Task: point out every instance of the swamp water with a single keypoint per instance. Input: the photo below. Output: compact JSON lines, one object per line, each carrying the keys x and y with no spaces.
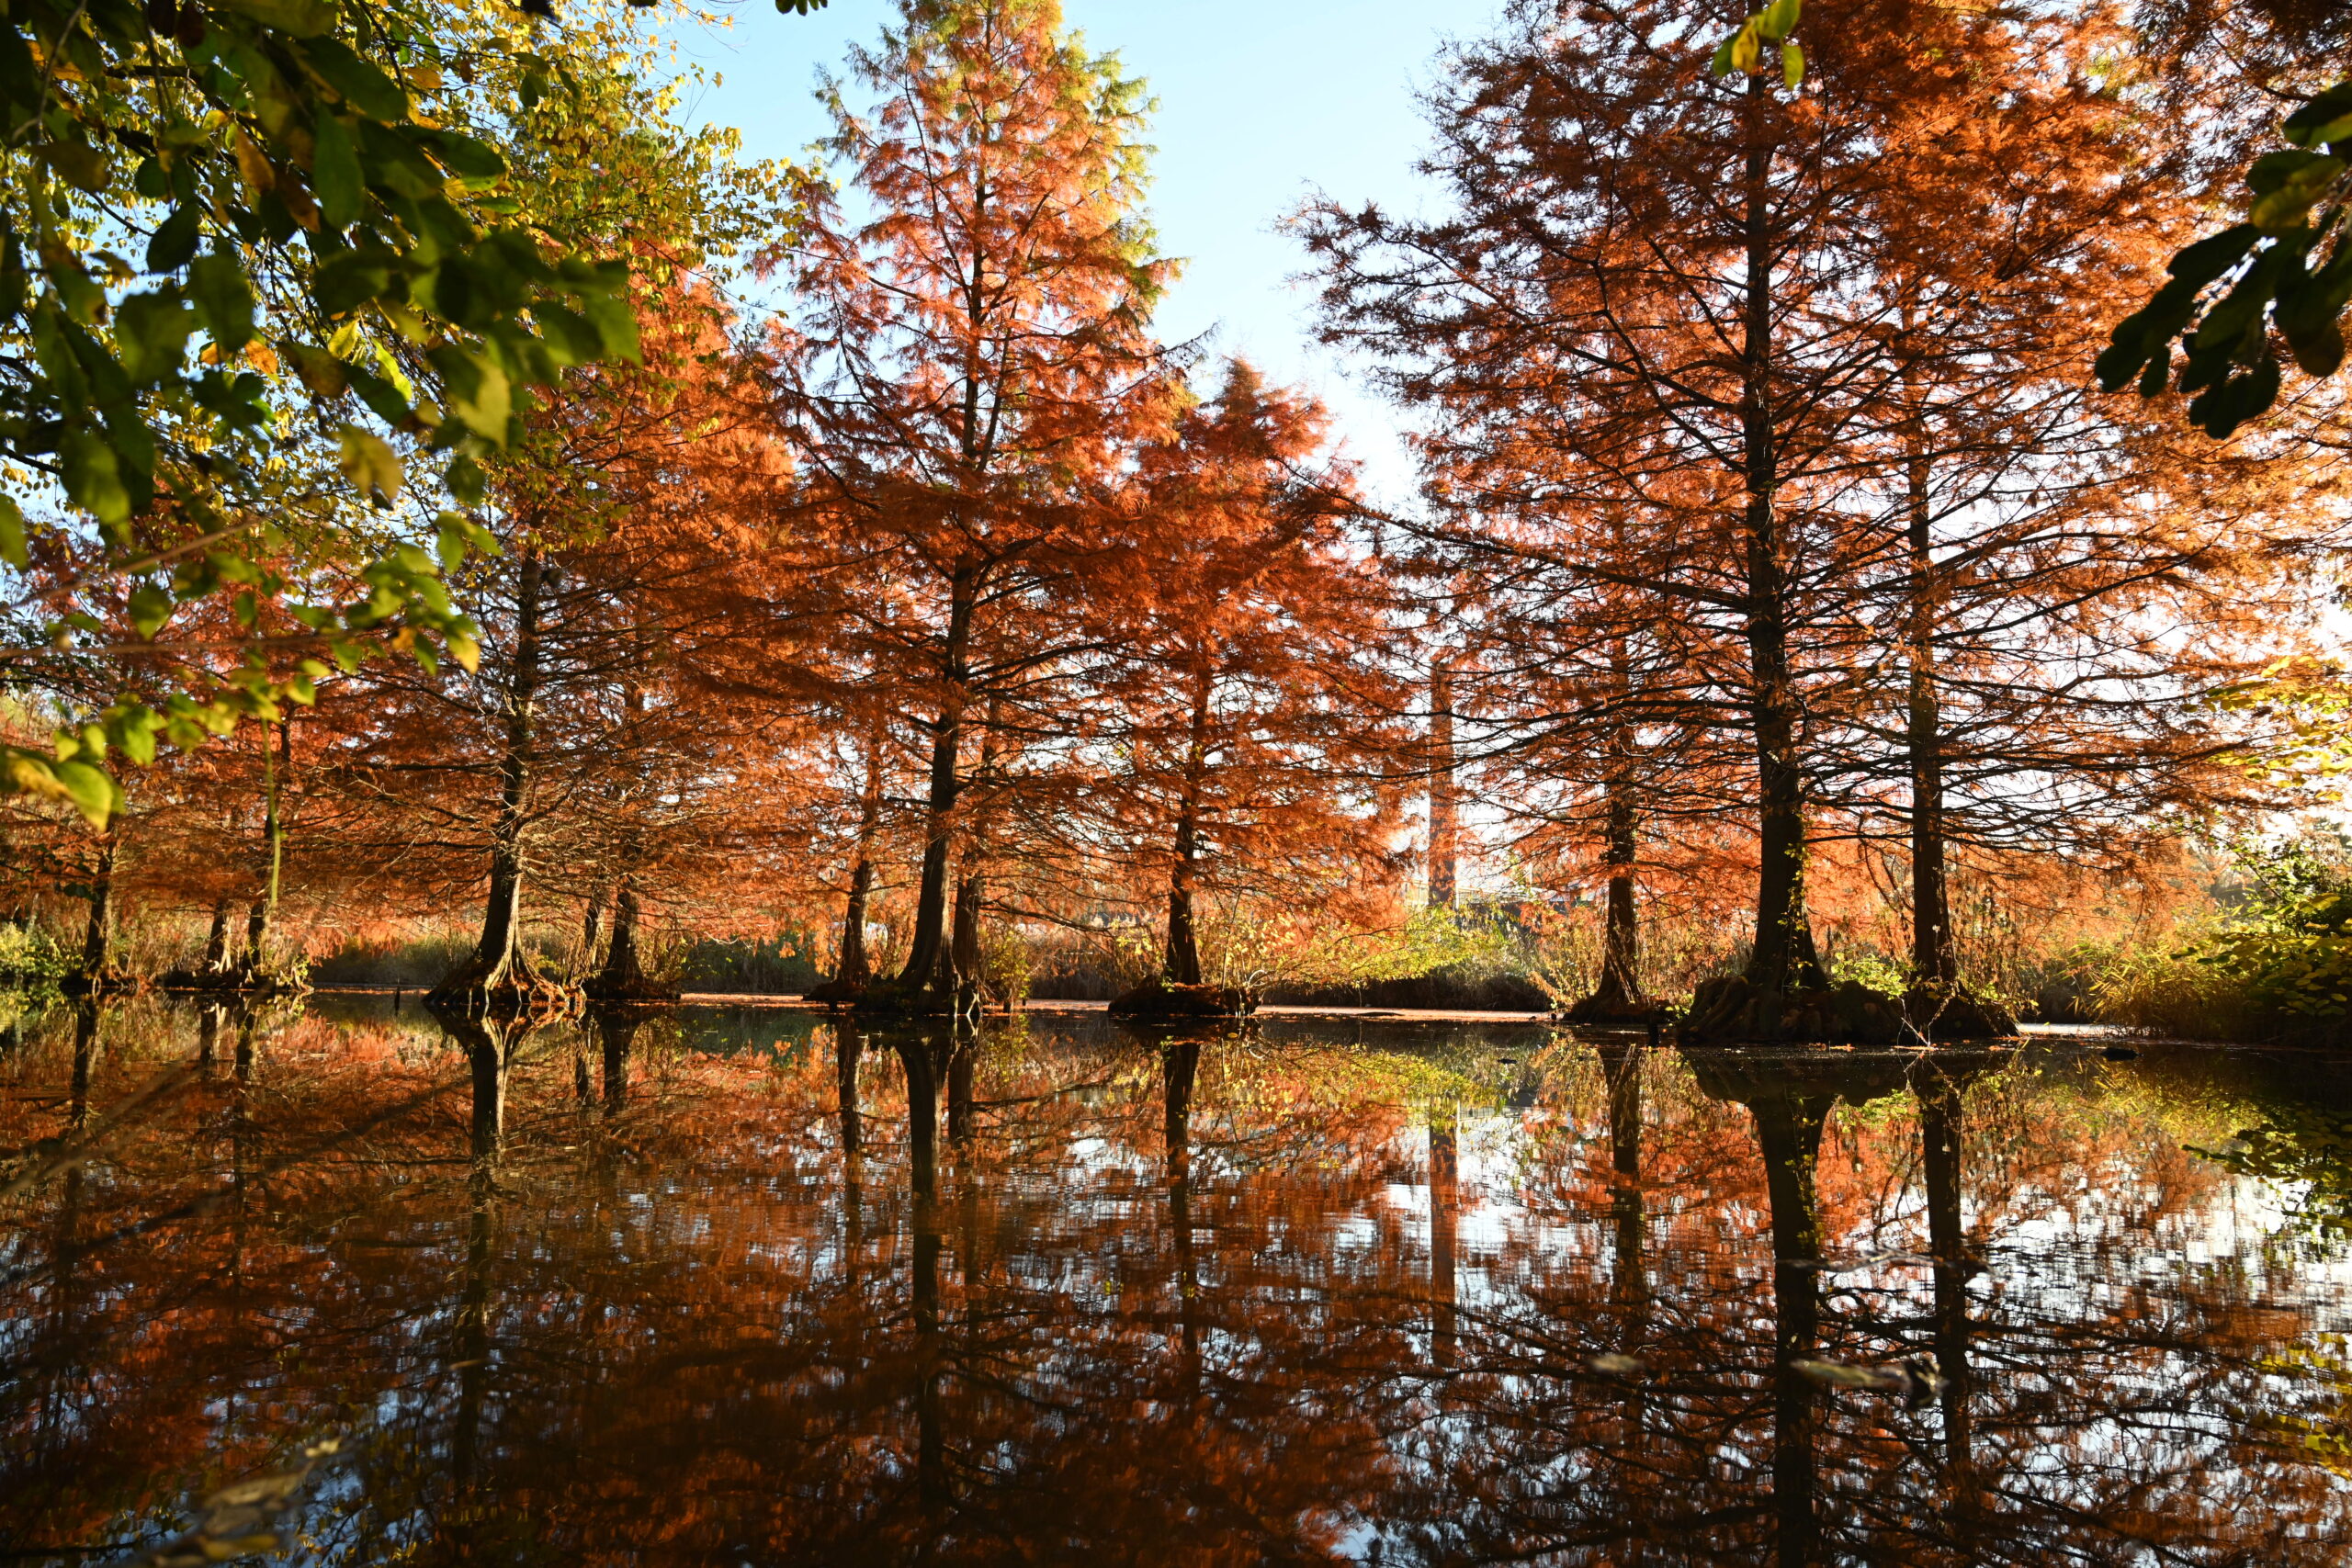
{"x":344,"y":1289}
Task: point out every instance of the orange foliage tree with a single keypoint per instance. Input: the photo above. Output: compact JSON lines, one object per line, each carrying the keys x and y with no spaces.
{"x":970,"y":363}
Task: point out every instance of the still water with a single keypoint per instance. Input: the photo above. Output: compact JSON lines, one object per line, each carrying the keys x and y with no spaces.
{"x":334,"y":1286}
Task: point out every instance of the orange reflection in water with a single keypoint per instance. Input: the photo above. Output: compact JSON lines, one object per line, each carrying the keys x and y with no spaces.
{"x":733,"y":1289}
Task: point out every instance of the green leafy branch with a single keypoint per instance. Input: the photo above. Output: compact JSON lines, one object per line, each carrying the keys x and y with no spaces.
{"x":2227,"y":291}
{"x":1746,"y":50}
{"x":313,"y":235}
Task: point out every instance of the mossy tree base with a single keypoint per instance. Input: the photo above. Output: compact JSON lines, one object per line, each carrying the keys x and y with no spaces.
{"x":1601,"y":1011}
{"x":1954,"y":1012}
{"x":234,"y":982}
{"x":638,"y":991}
{"x":104,"y":983}
{"x":509,"y":988}
{"x":890,"y":999}
{"x":1730,"y":1010}
{"x":1165,"y":999}
{"x":837,"y":993}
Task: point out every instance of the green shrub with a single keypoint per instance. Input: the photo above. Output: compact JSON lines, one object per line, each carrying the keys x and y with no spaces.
{"x":27,"y":954}
{"x":2279,"y":967}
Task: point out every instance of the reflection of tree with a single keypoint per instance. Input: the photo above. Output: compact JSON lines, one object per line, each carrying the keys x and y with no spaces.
{"x":1180,"y":1066}
{"x":616,"y":1033}
{"x":1941,"y":1124}
{"x":1165,"y":1302}
{"x":1446,"y":1203}
{"x":1790,"y":1095}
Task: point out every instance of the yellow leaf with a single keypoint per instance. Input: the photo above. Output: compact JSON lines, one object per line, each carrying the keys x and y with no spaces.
{"x":253,"y":163}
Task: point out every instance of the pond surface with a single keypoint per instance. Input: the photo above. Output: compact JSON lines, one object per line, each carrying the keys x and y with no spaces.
{"x":702,"y":1291}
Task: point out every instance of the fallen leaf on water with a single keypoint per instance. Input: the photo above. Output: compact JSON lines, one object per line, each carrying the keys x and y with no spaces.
{"x":1914,"y":1377}
{"x":1610,"y":1364}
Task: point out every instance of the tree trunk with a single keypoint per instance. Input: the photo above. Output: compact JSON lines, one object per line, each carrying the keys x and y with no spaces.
{"x":971,"y":889}
{"x":1784,"y":958}
{"x":1620,"y":989}
{"x":1183,"y":960}
{"x":216,"y":939}
{"x":1444,"y":821}
{"x":591,"y":923}
{"x":1934,"y":961}
{"x":856,"y":968}
{"x":97,"y":936}
{"x":964,"y":952}
{"x":927,"y":949}
{"x":499,"y":963}
{"x":262,"y":914}
{"x":624,"y":971}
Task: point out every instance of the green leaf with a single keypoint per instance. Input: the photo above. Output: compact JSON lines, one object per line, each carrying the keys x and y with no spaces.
{"x":2201,"y":263}
{"x":93,"y":477}
{"x":223,"y":301}
{"x":321,"y":372}
{"x":134,"y":731}
{"x":2319,"y":121}
{"x":1723,"y":59}
{"x":78,"y":164}
{"x":335,"y":172}
{"x":482,"y":540}
{"x":151,"y":334}
{"x":2338,"y":129}
{"x":298,"y":19}
{"x":175,"y":238}
{"x":1779,"y":19}
{"x":359,"y":82}
{"x":616,"y":324}
{"x":2275,"y":169}
{"x":462,"y":155}
{"x":12,"y":533}
{"x":1793,"y":63}
{"x":370,"y":464}
{"x":383,"y":398}
{"x":95,"y":795}
{"x":479,"y":393}
{"x":150,"y":606}
{"x":466,"y":481}
{"x":570,"y":337}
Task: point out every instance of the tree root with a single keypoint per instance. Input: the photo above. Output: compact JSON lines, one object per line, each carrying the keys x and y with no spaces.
{"x":1162,"y":999}
{"x":508,"y":987}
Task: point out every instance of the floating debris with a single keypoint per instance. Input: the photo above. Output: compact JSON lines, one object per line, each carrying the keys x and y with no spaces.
{"x":1612,"y":1364}
{"x":1914,"y":1377}
{"x":240,"y":1519}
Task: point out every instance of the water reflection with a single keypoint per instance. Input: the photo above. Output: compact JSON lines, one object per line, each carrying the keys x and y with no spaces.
{"x":726,"y":1289}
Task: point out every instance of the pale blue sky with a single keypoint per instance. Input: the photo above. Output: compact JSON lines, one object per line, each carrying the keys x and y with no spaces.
{"x":1261,"y":102}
